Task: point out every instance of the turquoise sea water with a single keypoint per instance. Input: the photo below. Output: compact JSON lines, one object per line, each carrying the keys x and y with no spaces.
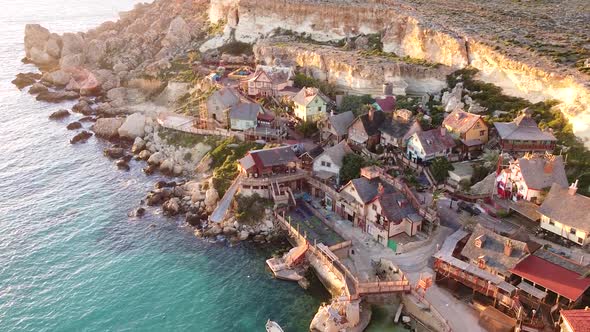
{"x":71,"y":259}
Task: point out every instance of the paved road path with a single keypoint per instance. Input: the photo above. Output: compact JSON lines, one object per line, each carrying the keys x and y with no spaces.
{"x":223,"y":206}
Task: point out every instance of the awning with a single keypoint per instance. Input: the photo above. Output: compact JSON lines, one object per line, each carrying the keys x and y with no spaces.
{"x":532,"y":290}
{"x":324,"y":175}
{"x":472,"y":142}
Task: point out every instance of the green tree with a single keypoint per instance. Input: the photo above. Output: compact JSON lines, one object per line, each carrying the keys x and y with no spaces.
{"x":355,"y":103}
{"x":308,"y":128}
{"x":440,"y":168}
{"x":351,"y":167}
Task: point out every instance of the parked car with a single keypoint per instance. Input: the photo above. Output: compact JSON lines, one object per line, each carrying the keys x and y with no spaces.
{"x":469,"y":208}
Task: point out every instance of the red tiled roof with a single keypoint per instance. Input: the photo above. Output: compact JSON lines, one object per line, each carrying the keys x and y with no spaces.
{"x":386,"y":103}
{"x":551,"y":276}
{"x":578,"y":319}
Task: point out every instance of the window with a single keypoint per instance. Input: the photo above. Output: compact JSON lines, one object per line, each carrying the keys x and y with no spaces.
{"x":580,"y":240}
{"x":374,"y":208}
{"x":551,"y":222}
{"x":572,"y":231}
{"x":323,"y":163}
{"x":328,"y":164}
{"x":482,"y":132}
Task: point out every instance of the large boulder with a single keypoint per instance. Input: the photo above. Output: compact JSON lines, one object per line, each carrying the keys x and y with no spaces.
{"x":156,"y":159}
{"x":134,"y":126}
{"x":37,"y":88}
{"x":177,"y":36}
{"x":145,"y":155}
{"x":72,"y":60}
{"x":96,"y":51}
{"x":167,"y":166}
{"x":107,"y":127}
{"x":57,"y":96}
{"x":107,"y":80}
{"x":41,"y":47}
{"x":72,"y":43}
{"x":211,"y":198}
{"x":138,"y":145}
{"x":59,"y":78}
{"x":83,"y":107}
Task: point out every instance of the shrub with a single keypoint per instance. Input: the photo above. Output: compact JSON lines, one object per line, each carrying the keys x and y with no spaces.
{"x":355,"y":103}
{"x":351,"y":167}
{"x":237,"y":48}
{"x":440,"y":168}
{"x":250,"y":209}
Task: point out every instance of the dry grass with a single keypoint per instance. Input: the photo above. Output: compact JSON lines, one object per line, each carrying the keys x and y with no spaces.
{"x":148,"y":86}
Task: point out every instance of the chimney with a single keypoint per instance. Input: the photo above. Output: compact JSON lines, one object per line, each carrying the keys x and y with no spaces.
{"x":380,"y":189}
{"x":371,"y":113}
{"x":443,"y":131}
{"x":573,"y":189}
{"x":508,"y":248}
{"x":548,"y":166}
{"x":479,"y":241}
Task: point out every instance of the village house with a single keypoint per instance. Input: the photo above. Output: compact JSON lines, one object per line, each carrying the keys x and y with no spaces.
{"x":334,"y":128}
{"x":565,"y":212}
{"x":309,"y":155}
{"x":545,"y":277}
{"x":523,"y":135}
{"x":385,"y":104}
{"x":493,"y":252}
{"x":244,"y":116}
{"x":426,"y":145}
{"x":364,"y":131}
{"x":530,"y":177}
{"x":575,"y":320}
{"x":271,"y":173}
{"x":391,"y":214}
{"x":327,"y":165}
{"x":358,"y":193}
{"x":310,"y":104}
{"x":396,"y":130}
{"x":469,"y":128}
{"x":267,"y":81}
{"x":219,"y":104}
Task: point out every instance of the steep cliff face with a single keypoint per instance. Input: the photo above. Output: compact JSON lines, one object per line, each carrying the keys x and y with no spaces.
{"x":446,"y":32}
{"x":352,"y":71}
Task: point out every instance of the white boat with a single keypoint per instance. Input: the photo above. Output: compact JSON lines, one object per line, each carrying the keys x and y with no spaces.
{"x":273,"y":326}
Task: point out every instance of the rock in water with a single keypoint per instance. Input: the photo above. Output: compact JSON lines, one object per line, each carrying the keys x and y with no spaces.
{"x":134,"y":126}
{"x":144,"y":155}
{"x":59,"y":78}
{"x":107,"y":127}
{"x":138,"y":145}
{"x":123,"y":164}
{"x":38,"y":88}
{"x":149,"y":169}
{"x":58,"y":115}
{"x":83,"y":107}
{"x":81,"y":137}
{"x":172,"y":207}
{"x":192,"y":219}
{"x":25,"y":79}
{"x":114,"y":152}
{"x":74,"y":125}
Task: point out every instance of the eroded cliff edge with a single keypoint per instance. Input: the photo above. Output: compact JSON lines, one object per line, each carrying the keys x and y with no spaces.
{"x":514,"y":44}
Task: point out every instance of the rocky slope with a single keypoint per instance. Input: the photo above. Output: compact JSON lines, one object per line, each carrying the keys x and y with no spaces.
{"x":530,"y":48}
{"x":143,"y":41}
{"x":353,"y":70}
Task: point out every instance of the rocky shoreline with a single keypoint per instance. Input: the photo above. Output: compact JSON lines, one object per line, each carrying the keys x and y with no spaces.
{"x":136,"y":136}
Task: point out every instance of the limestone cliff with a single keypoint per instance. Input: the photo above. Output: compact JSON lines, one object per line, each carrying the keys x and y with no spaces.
{"x":351,"y":70}
{"x":506,"y":40}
